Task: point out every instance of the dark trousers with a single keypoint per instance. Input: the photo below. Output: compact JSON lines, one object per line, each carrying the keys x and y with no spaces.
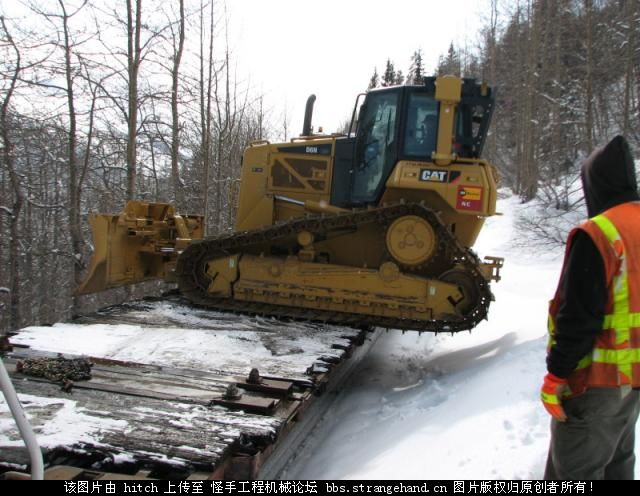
{"x":597,"y":441}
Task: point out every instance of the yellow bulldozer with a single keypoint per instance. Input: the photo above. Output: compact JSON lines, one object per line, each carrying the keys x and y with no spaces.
{"x":374,"y":227}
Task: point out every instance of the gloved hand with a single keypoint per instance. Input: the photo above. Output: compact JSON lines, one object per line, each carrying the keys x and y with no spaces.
{"x":551,"y":396}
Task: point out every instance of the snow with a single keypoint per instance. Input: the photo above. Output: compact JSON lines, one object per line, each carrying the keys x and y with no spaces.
{"x":451,"y":407}
{"x":65,"y":422}
{"x":158,"y":337}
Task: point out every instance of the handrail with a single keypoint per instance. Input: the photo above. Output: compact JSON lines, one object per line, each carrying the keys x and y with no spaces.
{"x":29,"y":438}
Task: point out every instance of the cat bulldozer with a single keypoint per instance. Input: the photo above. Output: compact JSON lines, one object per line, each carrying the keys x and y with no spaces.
{"x":369,"y":228}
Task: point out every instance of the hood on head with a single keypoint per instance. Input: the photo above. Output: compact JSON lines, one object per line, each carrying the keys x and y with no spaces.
{"x":609,"y":177}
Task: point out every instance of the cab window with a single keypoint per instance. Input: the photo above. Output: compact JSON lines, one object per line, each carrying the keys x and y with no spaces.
{"x":375,"y":146}
{"x":422,"y":126}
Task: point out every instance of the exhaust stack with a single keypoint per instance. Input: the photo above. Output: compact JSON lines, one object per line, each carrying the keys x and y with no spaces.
{"x":308,"y":114}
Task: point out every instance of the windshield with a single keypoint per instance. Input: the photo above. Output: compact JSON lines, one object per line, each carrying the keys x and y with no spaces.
{"x":376,"y":137}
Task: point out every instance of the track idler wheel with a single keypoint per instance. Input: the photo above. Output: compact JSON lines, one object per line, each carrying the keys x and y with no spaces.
{"x":411,"y":240}
{"x":467,"y":286}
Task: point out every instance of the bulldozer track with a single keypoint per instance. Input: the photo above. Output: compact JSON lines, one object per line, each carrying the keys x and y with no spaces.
{"x":193,"y":281}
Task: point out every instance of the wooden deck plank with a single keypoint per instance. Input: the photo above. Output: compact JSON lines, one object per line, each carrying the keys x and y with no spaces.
{"x":149,"y":430}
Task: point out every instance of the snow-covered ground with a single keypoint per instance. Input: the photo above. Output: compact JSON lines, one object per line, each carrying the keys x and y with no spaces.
{"x":452,"y":407}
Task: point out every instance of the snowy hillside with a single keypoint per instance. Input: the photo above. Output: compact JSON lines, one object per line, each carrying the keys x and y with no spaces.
{"x":451,"y":407}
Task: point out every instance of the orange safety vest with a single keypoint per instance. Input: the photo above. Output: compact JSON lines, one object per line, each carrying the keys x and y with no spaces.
{"x":615,"y":358}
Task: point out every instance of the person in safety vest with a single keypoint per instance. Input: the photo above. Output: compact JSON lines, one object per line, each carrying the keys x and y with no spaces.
{"x":592,"y":388}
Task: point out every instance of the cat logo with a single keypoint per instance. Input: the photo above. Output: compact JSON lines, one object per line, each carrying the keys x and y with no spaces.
{"x":436,"y":176}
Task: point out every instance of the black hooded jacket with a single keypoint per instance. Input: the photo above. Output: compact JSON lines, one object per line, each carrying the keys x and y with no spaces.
{"x":608,"y":179}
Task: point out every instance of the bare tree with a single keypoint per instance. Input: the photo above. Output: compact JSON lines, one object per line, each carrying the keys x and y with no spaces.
{"x":74,"y":185}
{"x":16,"y":183}
{"x":491,"y":41}
{"x":134,"y":58}
{"x":230,"y":112}
{"x":67,"y":45}
{"x":589,"y":71}
{"x":631,"y":17}
{"x":175,"y":116}
{"x":205,"y":87}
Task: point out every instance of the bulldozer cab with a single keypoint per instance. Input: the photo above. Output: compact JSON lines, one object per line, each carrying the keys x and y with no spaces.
{"x":415,"y":123}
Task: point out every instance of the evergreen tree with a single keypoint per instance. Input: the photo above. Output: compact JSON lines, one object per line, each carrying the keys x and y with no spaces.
{"x":451,"y":63}
{"x":374,"y":82}
{"x":416,"y":71}
{"x":472,"y":67}
{"x":389,"y":76}
{"x":399,"y":78}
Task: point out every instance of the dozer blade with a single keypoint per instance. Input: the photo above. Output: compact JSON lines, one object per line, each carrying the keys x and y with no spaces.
{"x":139,"y":244}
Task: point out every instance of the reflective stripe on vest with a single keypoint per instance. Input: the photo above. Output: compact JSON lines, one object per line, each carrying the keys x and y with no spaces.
{"x":615,"y":321}
{"x":551,"y":399}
